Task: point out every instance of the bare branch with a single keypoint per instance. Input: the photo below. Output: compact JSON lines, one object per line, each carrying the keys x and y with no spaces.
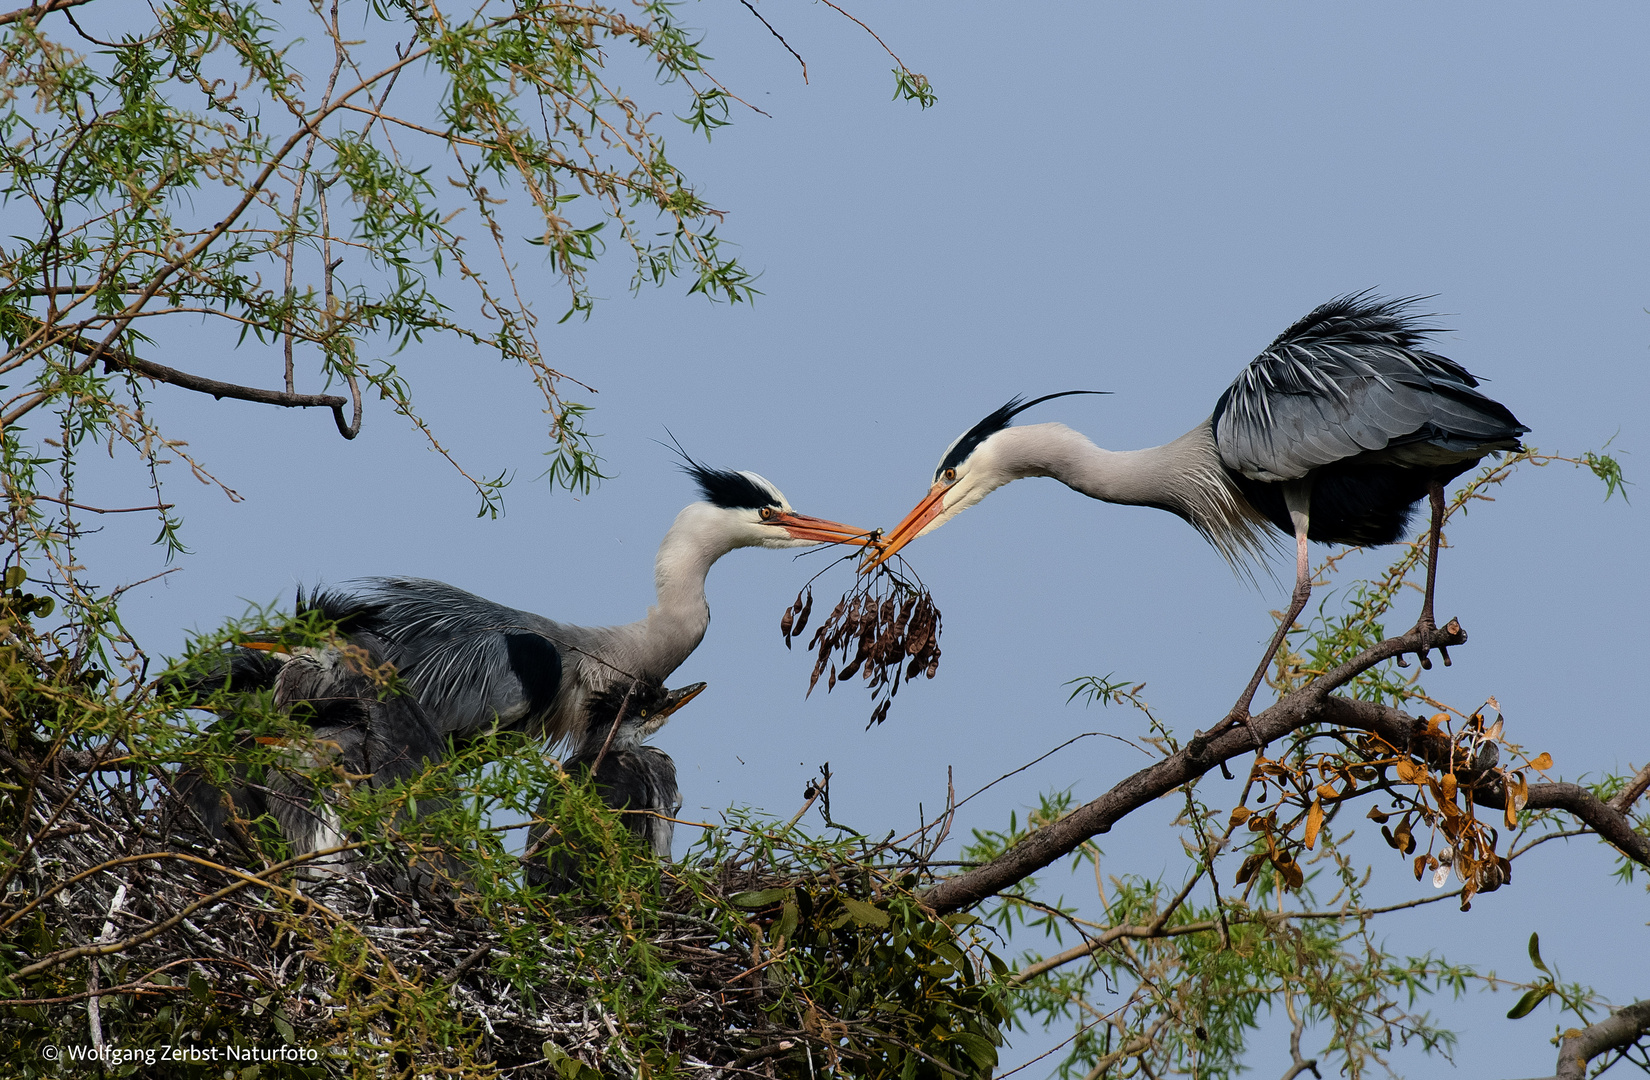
{"x":780,"y":37}
{"x":115,"y":359}
{"x":1629,"y":795}
{"x":96,"y":510}
{"x":35,"y":11}
{"x":1621,"y":1029}
{"x":1298,"y":1064}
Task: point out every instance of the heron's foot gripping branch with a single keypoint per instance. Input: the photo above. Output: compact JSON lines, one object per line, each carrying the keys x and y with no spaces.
{"x":1426,"y":630}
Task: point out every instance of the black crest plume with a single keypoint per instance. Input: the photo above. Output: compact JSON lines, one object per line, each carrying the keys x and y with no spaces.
{"x":724,"y":487}
{"x":993,"y":423}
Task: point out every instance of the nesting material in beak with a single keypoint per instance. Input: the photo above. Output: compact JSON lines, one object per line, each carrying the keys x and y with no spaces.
{"x":819,"y":530}
{"x":907,"y":530}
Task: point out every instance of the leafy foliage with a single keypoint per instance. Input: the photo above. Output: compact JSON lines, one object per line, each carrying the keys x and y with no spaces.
{"x":1269,"y":915}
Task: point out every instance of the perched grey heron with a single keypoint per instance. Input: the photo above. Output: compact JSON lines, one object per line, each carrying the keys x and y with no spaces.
{"x":628,"y":775}
{"x":1332,"y":434}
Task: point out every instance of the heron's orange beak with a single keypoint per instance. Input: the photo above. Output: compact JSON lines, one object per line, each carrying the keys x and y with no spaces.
{"x":820,"y":531}
{"x":906,"y":531}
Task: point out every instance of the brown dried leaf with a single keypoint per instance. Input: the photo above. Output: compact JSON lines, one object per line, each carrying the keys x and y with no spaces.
{"x":1314,"y":822}
{"x":1410,"y":773}
{"x":1543,"y":762}
{"x":802,"y":615}
{"x":1241,"y":814}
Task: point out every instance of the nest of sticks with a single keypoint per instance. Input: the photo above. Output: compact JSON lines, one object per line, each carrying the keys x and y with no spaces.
{"x":123,"y":929}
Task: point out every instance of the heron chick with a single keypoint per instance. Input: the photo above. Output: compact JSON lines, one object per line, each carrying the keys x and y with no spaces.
{"x":636,"y":779}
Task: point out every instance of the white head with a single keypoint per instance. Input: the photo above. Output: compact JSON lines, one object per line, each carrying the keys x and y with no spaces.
{"x":978,"y":462}
{"x":744,"y":509}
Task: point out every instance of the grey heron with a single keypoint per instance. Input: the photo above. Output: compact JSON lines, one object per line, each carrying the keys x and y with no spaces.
{"x":477,"y":666}
{"x":628,"y":775}
{"x":1332,"y":434}
{"x":472,"y":666}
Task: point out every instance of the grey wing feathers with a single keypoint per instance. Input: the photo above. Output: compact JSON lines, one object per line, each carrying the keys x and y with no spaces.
{"x":473,"y":664}
{"x":1353,"y":378}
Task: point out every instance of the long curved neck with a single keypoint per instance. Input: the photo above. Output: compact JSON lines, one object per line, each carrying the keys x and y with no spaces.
{"x":1149,"y":477}
{"x":1184,"y":477}
{"x":676,"y":624}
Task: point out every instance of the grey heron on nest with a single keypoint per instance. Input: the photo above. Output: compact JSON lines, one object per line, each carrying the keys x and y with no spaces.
{"x":1332,"y":434}
{"x":477,"y":666}
{"x":472,"y":666}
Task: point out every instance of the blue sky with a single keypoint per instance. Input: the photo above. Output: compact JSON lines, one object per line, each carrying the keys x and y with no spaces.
{"x":1134,"y":198}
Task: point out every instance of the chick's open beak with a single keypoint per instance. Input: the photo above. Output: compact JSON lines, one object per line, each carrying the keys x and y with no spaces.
{"x":820,"y":531}
{"x":907,"y":530}
{"x":675,"y":699}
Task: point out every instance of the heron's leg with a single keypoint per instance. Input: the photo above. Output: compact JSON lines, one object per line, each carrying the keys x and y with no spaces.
{"x":1297,"y":500}
{"x":1426,"y":623}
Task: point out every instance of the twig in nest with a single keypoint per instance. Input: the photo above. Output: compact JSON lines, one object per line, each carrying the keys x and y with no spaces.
{"x":885,"y":621}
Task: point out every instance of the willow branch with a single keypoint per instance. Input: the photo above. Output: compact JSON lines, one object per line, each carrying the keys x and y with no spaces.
{"x":1621,"y":1029}
{"x":35,"y":11}
{"x":117,"y":359}
{"x":1077,"y":952}
{"x":1312,"y":704}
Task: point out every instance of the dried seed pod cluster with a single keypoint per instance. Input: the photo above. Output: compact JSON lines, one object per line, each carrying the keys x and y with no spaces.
{"x":885,"y":622}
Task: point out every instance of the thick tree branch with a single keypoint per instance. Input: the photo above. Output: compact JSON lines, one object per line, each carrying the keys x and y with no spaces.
{"x":1311,"y":704}
{"x":1601,"y":817}
{"x":1622,"y":1028}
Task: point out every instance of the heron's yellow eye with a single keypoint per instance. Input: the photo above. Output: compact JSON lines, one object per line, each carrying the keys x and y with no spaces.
{"x":951,"y":474}
{"x":768,"y":512}
{"x":644,"y":714}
